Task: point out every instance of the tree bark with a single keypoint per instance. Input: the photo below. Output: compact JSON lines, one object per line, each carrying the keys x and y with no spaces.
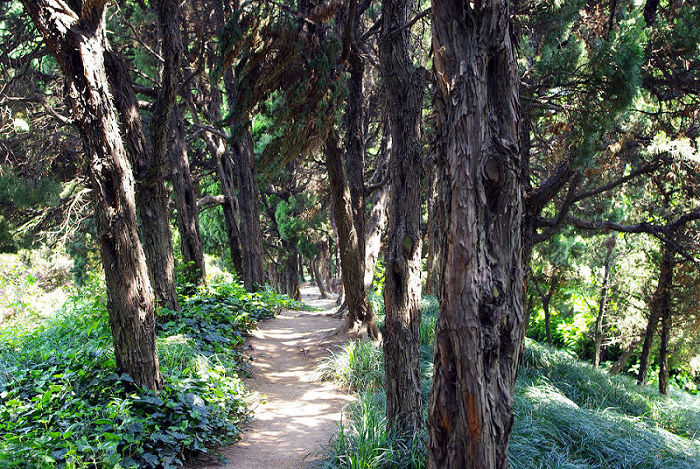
{"x":598,"y":332}
{"x":186,"y":203}
{"x":402,"y":290}
{"x":658,"y":301}
{"x":78,"y":42}
{"x":248,"y":200}
{"x":149,"y":167}
{"x":666,"y":320}
{"x":481,"y":323}
{"x":351,"y":256}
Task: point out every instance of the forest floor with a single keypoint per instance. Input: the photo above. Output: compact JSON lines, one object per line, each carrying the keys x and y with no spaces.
{"x":297,"y":415}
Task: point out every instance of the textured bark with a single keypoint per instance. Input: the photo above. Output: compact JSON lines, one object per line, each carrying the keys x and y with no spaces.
{"x":253,"y":272}
{"x":78,"y":42}
{"x":375,"y":226}
{"x":354,"y":141}
{"x":351,"y":257}
{"x":321,"y":266}
{"x":225,"y":173}
{"x":598,"y":332}
{"x":402,"y":290}
{"x":251,"y":236}
{"x":290,"y":280}
{"x":186,"y":203}
{"x":481,"y":323}
{"x":659,"y":303}
{"x":151,"y":195}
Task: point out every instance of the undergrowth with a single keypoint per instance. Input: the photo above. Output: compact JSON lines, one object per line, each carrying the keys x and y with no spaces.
{"x":567,"y":414}
{"x":63,"y":405}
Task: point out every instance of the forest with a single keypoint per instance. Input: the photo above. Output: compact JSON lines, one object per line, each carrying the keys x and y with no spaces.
{"x":350,"y":234}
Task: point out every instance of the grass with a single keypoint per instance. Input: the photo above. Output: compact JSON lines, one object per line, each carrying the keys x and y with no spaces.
{"x":63,"y":405}
{"x":568,"y":415}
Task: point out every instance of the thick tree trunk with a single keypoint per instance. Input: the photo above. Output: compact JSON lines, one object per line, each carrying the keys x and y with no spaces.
{"x":151,"y":195}
{"x":351,"y":255}
{"x":481,"y":324}
{"x":225,"y":172}
{"x":666,"y":320}
{"x":290,"y":279}
{"x":402,"y":290}
{"x":251,"y":236}
{"x":248,"y":200}
{"x":661,"y":296}
{"x":186,"y":203}
{"x":78,"y":41}
{"x":598,"y":332}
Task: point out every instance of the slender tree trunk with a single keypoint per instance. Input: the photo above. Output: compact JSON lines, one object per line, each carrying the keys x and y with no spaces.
{"x":661,"y":294}
{"x":186,"y":203}
{"x":481,"y":324}
{"x":598,"y":333}
{"x":624,"y":358}
{"x":301,"y":269}
{"x":78,"y":41}
{"x":351,"y":255}
{"x":402,"y":290}
{"x":666,"y":322}
{"x":375,"y":229}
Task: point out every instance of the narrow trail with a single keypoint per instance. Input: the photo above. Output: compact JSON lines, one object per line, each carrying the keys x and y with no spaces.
{"x":299,"y":415}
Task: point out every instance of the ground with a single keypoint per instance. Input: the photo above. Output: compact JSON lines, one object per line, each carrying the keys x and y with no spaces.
{"x":298,"y":415}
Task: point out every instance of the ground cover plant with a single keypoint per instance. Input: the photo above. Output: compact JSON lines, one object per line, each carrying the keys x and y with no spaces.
{"x":567,"y":414}
{"x":63,"y":405}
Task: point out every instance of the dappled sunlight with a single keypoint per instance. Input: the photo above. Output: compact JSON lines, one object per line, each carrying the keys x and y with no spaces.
{"x":297,"y":415}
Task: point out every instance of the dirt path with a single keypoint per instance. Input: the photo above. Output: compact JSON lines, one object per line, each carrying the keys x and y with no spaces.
{"x":299,"y":415}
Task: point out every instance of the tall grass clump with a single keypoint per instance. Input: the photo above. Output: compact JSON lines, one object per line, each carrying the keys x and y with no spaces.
{"x":568,"y":415}
{"x":358,"y":366}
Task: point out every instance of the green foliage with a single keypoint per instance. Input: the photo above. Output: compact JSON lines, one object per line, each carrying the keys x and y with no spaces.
{"x":567,"y":415}
{"x":62,"y":403}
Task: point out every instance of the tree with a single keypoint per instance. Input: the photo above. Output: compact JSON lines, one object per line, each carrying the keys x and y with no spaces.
{"x":480,"y":328}
{"x":598,"y":332}
{"x":77,"y":39}
{"x":402,"y":289}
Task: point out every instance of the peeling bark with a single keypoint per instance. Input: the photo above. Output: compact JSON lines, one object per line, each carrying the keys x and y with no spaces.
{"x":481,"y":323}
{"x":402,"y":290}
{"x":78,"y":42}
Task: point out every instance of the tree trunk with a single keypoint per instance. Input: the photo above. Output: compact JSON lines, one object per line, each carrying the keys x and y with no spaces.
{"x":251,"y":236}
{"x":661,"y":295}
{"x":598,"y":333}
{"x":666,"y":320}
{"x":481,"y":323}
{"x":291,"y":271}
{"x":78,"y":41}
{"x":186,"y":203}
{"x":624,"y":358}
{"x":151,"y":195}
{"x":402,"y":290}
{"x":351,"y":256}
{"x":301,"y":269}
{"x":375,"y":229}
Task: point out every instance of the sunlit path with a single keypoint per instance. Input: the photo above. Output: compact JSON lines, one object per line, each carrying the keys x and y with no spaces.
{"x":299,"y":415}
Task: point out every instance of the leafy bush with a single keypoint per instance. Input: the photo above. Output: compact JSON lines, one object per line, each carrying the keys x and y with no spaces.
{"x":61,"y":402}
